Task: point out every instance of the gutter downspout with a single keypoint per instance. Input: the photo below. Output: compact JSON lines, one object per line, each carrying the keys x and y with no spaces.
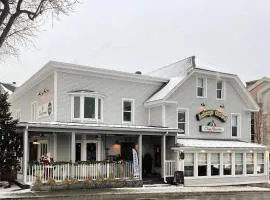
{"x":164,"y":155}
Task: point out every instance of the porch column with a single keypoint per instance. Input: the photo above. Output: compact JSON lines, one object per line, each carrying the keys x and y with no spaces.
{"x":73,"y":147}
{"x":140,"y":155}
{"x":55,"y":146}
{"x":25,"y":153}
{"x":163,"y":156}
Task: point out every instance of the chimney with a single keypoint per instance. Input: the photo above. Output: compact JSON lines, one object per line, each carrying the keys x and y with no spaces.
{"x":138,"y":72}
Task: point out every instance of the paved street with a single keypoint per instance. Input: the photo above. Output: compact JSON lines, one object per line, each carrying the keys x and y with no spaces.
{"x":147,"y":193}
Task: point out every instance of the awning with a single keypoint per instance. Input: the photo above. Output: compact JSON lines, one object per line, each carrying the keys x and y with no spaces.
{"x":215,"y":144}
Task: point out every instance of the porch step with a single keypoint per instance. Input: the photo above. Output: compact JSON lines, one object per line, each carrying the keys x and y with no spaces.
{"x":21,"y":184}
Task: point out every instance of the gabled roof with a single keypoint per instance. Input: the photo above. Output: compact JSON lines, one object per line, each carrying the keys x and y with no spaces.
{"x":53,"y":66}
{"x":180,"y":71}
{"x":253,"y":84}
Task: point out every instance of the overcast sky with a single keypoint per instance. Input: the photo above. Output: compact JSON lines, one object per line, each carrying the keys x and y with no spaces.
{"x":131,"y":35}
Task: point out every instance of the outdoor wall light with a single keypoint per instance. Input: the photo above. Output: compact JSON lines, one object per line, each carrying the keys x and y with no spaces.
{"x":202,"y":151}
{"x":36,"y":141}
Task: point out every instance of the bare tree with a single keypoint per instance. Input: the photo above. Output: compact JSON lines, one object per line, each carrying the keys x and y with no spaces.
{"x":20,"y":20}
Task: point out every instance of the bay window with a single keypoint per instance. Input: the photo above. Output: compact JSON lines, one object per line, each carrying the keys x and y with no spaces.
{"x":86,"y":107}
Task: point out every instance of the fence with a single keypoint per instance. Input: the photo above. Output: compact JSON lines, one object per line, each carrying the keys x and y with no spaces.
{"x":80,"y":171}
{"x":169,"y":168}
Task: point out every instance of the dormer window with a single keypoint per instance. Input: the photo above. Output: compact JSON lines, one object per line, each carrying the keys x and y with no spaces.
{"x":86,"y":106}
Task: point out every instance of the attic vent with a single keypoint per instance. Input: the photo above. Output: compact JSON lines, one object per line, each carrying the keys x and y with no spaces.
{"x":138,"y":72}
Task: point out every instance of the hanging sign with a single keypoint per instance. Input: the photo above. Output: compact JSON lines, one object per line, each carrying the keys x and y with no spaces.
{"x":211,"y":113}
{"x":45,"y":103}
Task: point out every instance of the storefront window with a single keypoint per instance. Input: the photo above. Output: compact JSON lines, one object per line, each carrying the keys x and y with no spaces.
{"x":227,"y":164}
{"x":250,"y":163}
{"x":202,"y":164}
{"x":238,"y":163}
{"x":260,"y":163}
{"x":215,"y":164}
{"x":189,"y":164}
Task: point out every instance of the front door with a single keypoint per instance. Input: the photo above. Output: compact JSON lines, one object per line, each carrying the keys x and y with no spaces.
{"x":91,"y":151}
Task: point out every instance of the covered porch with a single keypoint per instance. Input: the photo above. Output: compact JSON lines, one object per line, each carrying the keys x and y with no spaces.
{"x":94,"y":151}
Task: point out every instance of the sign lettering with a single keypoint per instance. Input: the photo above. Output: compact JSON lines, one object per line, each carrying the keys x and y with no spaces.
{"x":211,"y":113}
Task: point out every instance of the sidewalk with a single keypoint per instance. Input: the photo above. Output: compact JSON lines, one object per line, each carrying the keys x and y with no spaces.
{"x":157,"y":190}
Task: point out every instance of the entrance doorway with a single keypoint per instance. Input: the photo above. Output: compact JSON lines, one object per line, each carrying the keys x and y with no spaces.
{"x":91,"y":151}
{"x":87,"y":150}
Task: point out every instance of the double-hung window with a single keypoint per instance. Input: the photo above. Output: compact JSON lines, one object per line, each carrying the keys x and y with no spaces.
{"x":128,"y":110}
{"x":227,"y":164}
{"x":189,"y":164}
{"x":220,"y":89}
{"x":183,"y":120}
{"x":250,"y":163}
{"x":260,"y":163}
{"x":215,"y":164}
{"x":201,"y":87}
{"x":238,"y":163}
{"x":235,"y":125}
{"x":86,"y":107}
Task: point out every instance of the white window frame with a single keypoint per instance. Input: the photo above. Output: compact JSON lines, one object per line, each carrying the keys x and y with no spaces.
{"x":231,"y":163}
{"x":186,"y":111}
{"x":34,"y":104}
{"x":222,"y":89}
{"x":194,"y":154}
{"x":243,"y":163}
{"x":238,"y":125}
{"x":81,"y":118}
{"x":132,"y":121}
{"x":204,"y":87}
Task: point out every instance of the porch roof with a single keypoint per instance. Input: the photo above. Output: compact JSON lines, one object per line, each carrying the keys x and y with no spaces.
{"x":65,"y":126}
{"x":215,"y":144}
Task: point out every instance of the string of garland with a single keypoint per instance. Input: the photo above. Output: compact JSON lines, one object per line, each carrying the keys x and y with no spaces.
{"x":78,"y":163}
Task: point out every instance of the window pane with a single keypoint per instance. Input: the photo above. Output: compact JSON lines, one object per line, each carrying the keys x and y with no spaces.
{"x":250,"y":163}
{"x":234,"y":120}
{"x":215,"y":163}
{"x":202,"y":164}
{"x":227,"y":164}
{"x":238,"y":163}
{"x":76,"y":107}
{"x":89,"y":107}
{"x":260,"y":163}
{"x":181,"y":117}
{"x":234,"y":131}
{"x":200,"y":82}
{"x":99,"y":108}
{"x":182,"y":127}
{"x":219,"y":94}
{"x":127,"y":106}
{"x":189,"y":164}
{"x":127,"y":116}
{"x":219,"y":85}
{"x":200,"y":92}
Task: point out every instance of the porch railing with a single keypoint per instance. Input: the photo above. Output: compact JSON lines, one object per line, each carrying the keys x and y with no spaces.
{"x":80,"y":171}
{"x":169,"y":168}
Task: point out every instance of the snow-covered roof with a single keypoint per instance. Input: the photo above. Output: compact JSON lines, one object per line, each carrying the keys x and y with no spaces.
{"x":164,"y":91}
{"x":6,"y":87}
{"x":86,"y":126}
{"x":201,"y":143}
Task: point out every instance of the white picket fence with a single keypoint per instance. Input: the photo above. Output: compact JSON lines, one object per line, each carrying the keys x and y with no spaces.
{"x":80,"y":172}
